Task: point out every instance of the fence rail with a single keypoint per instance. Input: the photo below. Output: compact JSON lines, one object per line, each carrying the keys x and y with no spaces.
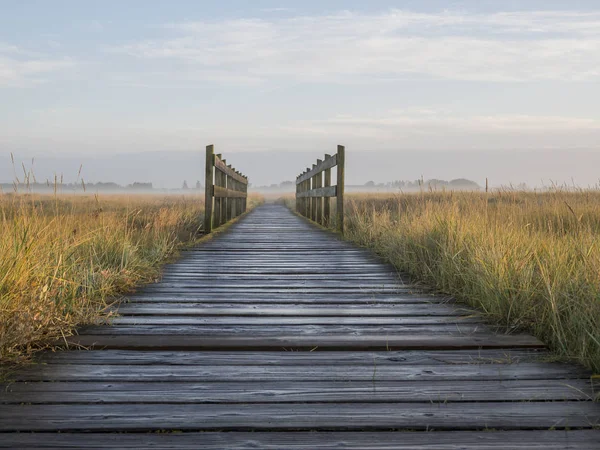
{"x":314,"y":190}
{"x":226,"y":191}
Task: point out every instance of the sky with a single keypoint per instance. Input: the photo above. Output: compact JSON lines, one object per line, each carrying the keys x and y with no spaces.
{"x":102,"y":79}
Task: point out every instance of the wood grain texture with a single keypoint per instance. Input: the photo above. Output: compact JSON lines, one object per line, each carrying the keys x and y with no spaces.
{"x":327,"y":163}
{"x":382,"y":440}
{"x":300,"y":416}
{"x":221,"y":192}
{"x":230,"y":172}
{"x":319,"y":192}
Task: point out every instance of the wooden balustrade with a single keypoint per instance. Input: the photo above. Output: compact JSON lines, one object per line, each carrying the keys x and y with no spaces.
{"x":314,"y":190}
{"x":226,"y":191}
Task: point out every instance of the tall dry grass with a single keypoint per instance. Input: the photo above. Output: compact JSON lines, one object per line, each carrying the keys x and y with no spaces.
{"x":63,"y":259}
{"x":530,"y":261}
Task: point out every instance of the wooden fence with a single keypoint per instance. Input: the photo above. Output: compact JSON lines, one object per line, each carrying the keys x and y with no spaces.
{"x":228,"y":188}
{"x":314,"y":190}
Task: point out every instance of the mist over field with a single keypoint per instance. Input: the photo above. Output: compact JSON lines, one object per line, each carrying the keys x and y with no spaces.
{"x":169,"y":169}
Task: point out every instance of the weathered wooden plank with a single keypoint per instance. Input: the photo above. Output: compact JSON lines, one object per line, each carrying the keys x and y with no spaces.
{"x":211,"y":330}
{"x":379,"y":278}
{"x":309,"y":440}
{"x":258,"y":283}
{"x":274,"y":288}
{"x":327,"y":163}
{"x":330,"y":191}
{"x":336,"y":342}
{"x":278,"y":358}
{"x":221,"y":299}
{"x":341,"y":416}
{"x":230,"y":172}
{"x":415,"y":322}
{"x":173,"y":309}
{"x":296,"y":392}
{"x":335,"y":372}
{"x":339,"y":301}
{"x":221,"y":192}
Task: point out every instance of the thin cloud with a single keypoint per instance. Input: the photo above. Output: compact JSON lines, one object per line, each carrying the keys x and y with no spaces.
{"x":346,"y":47}
{"x":408,"y":125}
{"x":20,"y":67}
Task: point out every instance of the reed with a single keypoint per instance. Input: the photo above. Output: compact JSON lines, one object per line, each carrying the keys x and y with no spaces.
{"x":530,"y":261}
{"x":65,"y":258}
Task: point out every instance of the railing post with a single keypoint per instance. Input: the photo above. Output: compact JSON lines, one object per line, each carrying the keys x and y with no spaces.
{"x":246,"y":192}
{"x":326,"y":200}
{"x":297,"y":190}
{"x":208,"y":188}
{"x":217,"y":201}
{"x":238,"y":202}
{"x":314,"y":199}
{"x":308,"y":214}
{"x":307,"y":199}
{"x":301,"y":199}
{"x":319,"y":200}
{"x":341,"y":156}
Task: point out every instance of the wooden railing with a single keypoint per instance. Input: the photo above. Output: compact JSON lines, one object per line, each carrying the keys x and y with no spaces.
{"x":227,"y":186}
{"x":314,"y":190}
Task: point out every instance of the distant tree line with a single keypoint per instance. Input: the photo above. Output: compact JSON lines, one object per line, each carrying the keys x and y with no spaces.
{"x":82,"y":186}
{"x":458,"y":184}
{"x":435,"y":184}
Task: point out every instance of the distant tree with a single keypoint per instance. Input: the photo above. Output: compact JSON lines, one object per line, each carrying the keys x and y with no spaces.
{"x":462,"y":183}
{"x":185,"y":185}
{"x":198,"y":185}
{"x":370,"y":184}
{"x":140,"y":186}
{"x":435,"y":184}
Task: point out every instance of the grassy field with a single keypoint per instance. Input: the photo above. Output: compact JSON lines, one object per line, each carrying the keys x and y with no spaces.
{"x":529,"y":261}
{"x":63,"y":259}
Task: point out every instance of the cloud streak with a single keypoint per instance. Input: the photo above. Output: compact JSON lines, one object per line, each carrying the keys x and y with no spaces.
{"x":445,"y":129}
{"x":19,"y":68}
{"x":350,"y":47}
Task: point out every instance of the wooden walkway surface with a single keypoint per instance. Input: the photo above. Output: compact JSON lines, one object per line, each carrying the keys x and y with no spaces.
{"x":275,"y":334}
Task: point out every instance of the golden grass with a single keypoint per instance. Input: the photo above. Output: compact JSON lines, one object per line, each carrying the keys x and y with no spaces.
{"x":529,"y":261}
{"x":64,"y":259}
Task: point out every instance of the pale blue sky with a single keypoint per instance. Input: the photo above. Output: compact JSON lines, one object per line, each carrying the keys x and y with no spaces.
{"x":83,"y":77}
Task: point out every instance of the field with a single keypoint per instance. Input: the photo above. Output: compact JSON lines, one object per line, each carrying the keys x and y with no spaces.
{"x":65,"y":258}
{"x":529,"y":261}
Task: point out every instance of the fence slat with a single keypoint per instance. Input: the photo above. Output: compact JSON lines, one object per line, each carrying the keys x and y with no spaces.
{"x":221,"y":192}
{"x":229,"y":171}
{"x":330,"y":191}
{"x":326,"y":164}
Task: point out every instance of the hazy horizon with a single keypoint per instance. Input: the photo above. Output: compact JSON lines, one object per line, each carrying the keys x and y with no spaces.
{"x":169,"y":169}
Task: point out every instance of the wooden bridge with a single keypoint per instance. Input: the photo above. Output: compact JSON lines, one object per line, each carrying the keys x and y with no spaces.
{"x":277,"y":334}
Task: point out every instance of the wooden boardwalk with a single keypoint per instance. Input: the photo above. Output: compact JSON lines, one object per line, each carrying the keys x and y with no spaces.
{"x":275,"y":334}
